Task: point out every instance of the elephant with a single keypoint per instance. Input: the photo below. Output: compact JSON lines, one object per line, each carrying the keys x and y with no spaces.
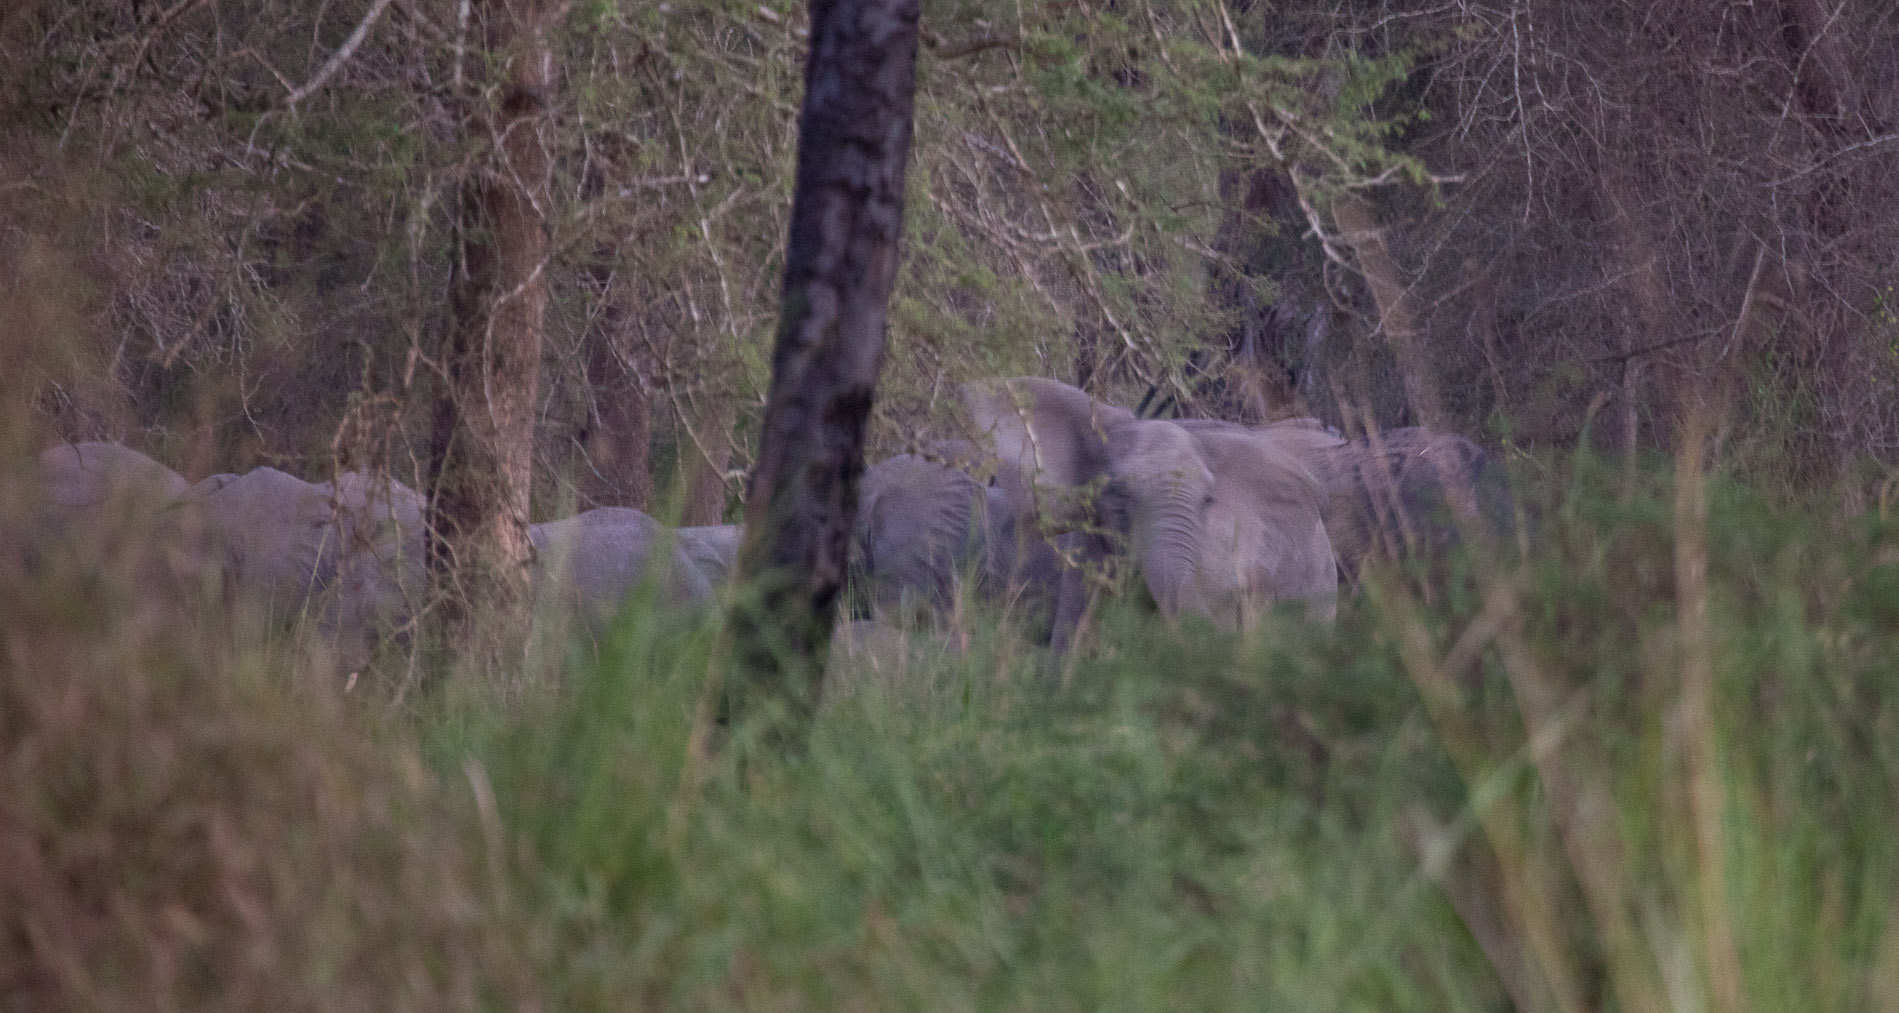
{"x":588,"y":564}
{"x":923,"y":524}
{"x":1398,"y":494}
{"x":1219,"y":523}
{"x":713,"y":548}
{"x":273,"y":541}
{"x":105,"y":510}
{"x":343,"y":559}
{"x":90,"y":475}
{"x":381,"y":543}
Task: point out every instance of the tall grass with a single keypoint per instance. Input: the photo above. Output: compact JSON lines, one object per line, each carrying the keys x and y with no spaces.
{"x":1652,"y":765}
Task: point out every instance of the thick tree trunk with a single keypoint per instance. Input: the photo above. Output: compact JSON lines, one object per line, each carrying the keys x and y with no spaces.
{"x":481,"y":448}
{"x":846,"y":218}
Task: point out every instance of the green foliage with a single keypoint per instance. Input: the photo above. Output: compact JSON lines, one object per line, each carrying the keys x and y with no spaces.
{"x":1169,"y":818}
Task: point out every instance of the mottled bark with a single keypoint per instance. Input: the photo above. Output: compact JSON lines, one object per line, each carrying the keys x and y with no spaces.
{"x":846,"y":218}
{"x":481,"y":447}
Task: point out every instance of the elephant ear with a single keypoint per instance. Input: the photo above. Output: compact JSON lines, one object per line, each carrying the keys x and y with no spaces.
{"x":1162,"y":485}
{"x":1048,"y":436}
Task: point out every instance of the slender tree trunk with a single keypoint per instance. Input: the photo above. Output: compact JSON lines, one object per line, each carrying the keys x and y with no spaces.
{"x":1265,"y":352}
{"x":846,"y":218}
{"x":706,"y":454}
{"x":619,"y":433}
{"x":481,"y":448}
{"x":1397,"y":317}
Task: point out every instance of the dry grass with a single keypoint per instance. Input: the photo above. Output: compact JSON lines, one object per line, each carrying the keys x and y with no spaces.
{"x":1648,"y":768}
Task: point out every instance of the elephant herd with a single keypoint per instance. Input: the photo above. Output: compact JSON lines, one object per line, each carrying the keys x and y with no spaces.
{"x":342,"y":559}
{"x":1218,"y":520}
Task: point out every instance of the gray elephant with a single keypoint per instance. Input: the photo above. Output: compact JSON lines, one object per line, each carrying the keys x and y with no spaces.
{"x":272,"y":541}
{"x":105,"y":509}
{"x":587,"y":564}
{"x":1220,"y":523}
{"x":923,"y":524}
{"x":341,"y":560}
{"x":1403,"y":493}
{"x":86,"y":487}
{"x":713,"y":548}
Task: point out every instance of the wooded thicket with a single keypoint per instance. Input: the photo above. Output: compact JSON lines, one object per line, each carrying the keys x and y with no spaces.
{"x":232,"y":224}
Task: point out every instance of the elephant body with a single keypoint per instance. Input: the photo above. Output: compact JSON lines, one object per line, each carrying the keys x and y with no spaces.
{"x":1220,"y":523}
{"x":101,"y":508}
{"x":381,"y":538}
{"x":923,"y":525}
{"x":589,"y":563}
{"x":342,"y":560}
{"x":273,"y":541}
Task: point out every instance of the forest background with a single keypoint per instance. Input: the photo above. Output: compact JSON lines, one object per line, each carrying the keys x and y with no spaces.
{"x":1648,"y":765}
{"x":231,"y":225}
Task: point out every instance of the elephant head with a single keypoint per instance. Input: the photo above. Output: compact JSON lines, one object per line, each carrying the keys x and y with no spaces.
{"x":1219,"y":524}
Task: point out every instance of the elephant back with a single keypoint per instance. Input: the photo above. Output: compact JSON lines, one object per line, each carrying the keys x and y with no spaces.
{"x":1407,"y":492}
{"x":275,"y":537}
{"x":93,"y":474}
{"x":87,"y":486}
{"x":104,"y":509}
{"x":588,"y":564}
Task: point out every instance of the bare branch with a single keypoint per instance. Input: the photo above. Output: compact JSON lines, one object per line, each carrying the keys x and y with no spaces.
{"x":340,"y":57}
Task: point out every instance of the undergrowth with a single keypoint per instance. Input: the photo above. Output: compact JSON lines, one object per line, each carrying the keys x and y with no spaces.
{"x":1482,"y":793}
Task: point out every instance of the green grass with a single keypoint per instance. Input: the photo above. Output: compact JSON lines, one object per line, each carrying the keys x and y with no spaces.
{"x":1176,"y":819}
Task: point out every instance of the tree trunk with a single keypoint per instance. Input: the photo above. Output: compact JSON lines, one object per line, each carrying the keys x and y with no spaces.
{"x":1397,"y":317}
{"x":481,"y":447}
{"x":705,"y":454}
{"x":846,"y":218}
{"x":616,"y":470}
{"x":1265,"y":357}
